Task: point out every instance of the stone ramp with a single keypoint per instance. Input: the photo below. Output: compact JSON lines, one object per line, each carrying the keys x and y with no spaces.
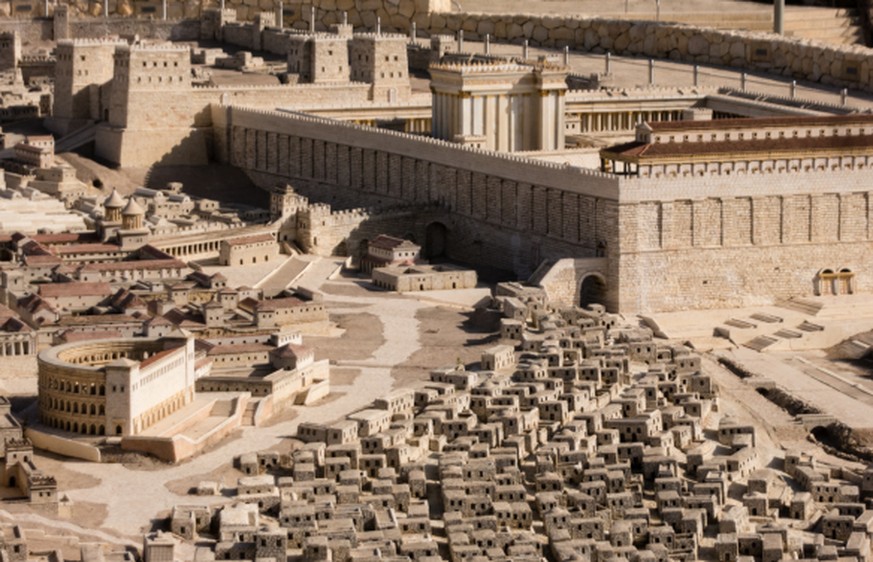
{"x":804,"y":306}
{"x":76,"y":139}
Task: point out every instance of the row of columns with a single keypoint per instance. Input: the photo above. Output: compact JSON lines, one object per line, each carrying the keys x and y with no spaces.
{"x":16,"y":348}
{"x":622,"y":120}
{"x":417,"y":125}
{"x":195,"y":248}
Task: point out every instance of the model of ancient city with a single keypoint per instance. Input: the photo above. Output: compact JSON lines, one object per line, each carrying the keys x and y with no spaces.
{"x":359,"y":280}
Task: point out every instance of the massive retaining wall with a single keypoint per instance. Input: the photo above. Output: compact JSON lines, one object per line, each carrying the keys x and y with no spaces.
{"x":507,"y":211}
{"x":671,"y":242}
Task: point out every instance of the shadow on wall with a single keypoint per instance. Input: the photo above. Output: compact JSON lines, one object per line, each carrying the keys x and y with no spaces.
{"x":226,"y":184}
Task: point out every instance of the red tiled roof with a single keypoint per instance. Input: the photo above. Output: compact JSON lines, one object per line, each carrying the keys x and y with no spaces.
{"x":278,"y":304}
{"x":74,"y":289}
{"x":95,"y":248}
{"x":134,"y":264}
{"x":65,"y":238}
{"x":245,"y":240}
{"x":41,"y":259}
{"x":156,"y":357}
{"x":809,"y":145}
{"x":93,"y":319}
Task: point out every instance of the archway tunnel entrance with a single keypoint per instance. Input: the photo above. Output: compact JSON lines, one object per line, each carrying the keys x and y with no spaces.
{"x":592,"y":290}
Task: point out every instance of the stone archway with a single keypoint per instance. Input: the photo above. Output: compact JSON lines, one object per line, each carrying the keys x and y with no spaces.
{"x":824,"y":282}
{"x":845,"y":281}
{"x":592,"y":290}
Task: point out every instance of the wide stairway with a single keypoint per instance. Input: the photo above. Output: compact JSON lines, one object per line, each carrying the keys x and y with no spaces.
{"x":840,"y":26}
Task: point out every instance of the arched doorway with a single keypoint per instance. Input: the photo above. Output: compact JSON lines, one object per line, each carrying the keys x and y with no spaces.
{"x":824,"y":282}
{"x":592,"y":290}
{"x":845,"y":281}
{"x":435,"y":238}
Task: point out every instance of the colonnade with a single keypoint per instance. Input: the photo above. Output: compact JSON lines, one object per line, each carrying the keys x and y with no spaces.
{"x":192,"y":248}
{"x":618,"y":120}
{"x":12,"y":348}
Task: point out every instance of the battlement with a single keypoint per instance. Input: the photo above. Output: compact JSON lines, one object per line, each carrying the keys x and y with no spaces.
{"x":480,"y":67}
{"x":343,"y":217}
{"x":370,"y":35}
{"x":154,"y":48}
{"x":22,"y":444}
{"x":43,"y":481}
{"x":92,"y":42}
{"x":37,"y":59}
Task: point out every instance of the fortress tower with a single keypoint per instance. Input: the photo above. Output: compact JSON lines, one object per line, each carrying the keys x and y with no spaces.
{"x":151,"y":107}
{"x":501,"y":106}
{"x":82,"y":70}
{"x":319,"y":58}
{"x":380,"y":59}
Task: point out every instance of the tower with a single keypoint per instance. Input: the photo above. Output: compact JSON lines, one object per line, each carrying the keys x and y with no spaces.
{"x":143,"y":76}
{"x":380,"y":60}
{"x":82,"y":68}
{"x":10,"y":50}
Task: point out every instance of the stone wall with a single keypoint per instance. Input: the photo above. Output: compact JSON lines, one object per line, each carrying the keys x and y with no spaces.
{"x":740,"y":240}
{"x":505,"y":211}
{"x":658,"y":243}
{"x":804,"y":60}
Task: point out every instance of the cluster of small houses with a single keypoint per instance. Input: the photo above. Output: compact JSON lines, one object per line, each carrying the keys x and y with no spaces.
{"x":582,"y":440}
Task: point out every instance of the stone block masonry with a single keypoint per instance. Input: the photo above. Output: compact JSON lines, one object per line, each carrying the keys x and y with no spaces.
{"x":383,"y":167}
{"x":657,"y":243}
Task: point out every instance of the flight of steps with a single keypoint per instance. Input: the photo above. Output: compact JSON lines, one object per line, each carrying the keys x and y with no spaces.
{"x":839,"y":26}
{"x":249,"y":415}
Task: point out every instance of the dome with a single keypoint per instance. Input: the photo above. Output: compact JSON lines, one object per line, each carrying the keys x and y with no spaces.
{"x":132,"y":208}
{"x":114,"y":201}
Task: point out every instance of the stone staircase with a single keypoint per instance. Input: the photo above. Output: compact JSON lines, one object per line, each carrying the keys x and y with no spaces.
{"x":760,"y":343}
{"x":77,"y":138}
{"x":839,"y":26}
